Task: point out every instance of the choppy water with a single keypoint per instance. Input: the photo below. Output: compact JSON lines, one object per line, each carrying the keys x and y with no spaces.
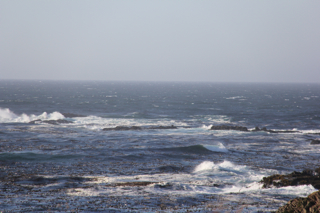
{"x":64,"y":161}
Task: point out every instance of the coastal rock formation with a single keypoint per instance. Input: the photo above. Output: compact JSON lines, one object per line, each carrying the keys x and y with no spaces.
{"x":303,"y":205}
{"x":123,"y":128}
{"x":294,"y":179}
{"x":315,"y":141}
{"x":245,"y":129}
{"x":225,"y":127}
{"x":163,"y":127}
{"x":273,"y":131}
{"x":54,"y":122}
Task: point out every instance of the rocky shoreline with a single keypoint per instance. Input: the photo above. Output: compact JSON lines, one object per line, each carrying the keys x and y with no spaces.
{"x":310,"y":204}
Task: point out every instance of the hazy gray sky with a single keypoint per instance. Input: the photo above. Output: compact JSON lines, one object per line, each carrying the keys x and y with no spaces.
{"x":161,"y":40}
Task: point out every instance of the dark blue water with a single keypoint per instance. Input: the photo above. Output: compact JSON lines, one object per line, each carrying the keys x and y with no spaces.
{"x":59,"y":141}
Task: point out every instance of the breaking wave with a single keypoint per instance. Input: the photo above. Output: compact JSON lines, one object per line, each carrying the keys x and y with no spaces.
{"x":7,"y":116}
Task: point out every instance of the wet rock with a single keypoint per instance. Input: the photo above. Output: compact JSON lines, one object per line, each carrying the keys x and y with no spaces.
{"x":225,"y":127}
{"x":54,"y":122}
{"x":256,"y":129}
{"x":309,"y":204}
{"x":273,"y":131}
{"x":294,"y":179}
{"x":35,"y":121}
{"x":163,"y":127}
{"x":140,"y":183}
{"x":122,"y":128}
{"x":164,"y":186}
{"x":315,"y":141}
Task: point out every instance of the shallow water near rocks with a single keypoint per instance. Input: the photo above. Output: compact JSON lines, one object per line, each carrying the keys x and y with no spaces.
{"x":55,"y":155}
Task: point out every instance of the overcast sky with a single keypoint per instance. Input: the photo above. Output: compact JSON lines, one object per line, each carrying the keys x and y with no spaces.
{"x":161,"y":40}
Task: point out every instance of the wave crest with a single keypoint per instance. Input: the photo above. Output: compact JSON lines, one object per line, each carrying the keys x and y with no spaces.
{"x":7,"y":116}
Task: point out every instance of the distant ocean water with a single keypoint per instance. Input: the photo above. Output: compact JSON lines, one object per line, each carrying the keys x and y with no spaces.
{"x":149,"y":146}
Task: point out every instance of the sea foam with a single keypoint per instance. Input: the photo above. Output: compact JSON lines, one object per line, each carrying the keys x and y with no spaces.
{"x":7,"y":116}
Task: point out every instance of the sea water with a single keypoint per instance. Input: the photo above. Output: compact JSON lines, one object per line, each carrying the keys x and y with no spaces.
{"x":56,"y":154}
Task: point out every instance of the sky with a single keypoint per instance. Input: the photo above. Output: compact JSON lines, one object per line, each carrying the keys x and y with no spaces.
{"x":161,"y":40}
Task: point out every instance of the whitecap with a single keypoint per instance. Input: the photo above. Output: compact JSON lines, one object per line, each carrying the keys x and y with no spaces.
{"x":206,"y":165}
{"x":7,"y":116}
{"x":216,"y":148}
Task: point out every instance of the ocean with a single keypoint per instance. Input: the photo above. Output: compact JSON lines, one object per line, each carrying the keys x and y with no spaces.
{"x":93,"y":146}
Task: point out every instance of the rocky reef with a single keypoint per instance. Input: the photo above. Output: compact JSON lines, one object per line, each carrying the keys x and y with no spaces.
{"x":245,"y":129}
{"x":54,"y":122}
{"x":315,"y":141}
{"x":305,"y":177}
{"x":124,"y":128}
{"x":310,"y":204}
{"x":225,"y":127}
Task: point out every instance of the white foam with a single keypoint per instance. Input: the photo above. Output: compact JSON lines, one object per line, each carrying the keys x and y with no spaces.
{"x":216,"y":148}
{"x":7,"y":116}
{"x":206,"y":165}
{"x":206,"y":127}
{"x":225,"y":165}
{"x":311,"y":131}
{"x":98,"y":123}
{"x":299,"y":191}
{"x":235,"y":97}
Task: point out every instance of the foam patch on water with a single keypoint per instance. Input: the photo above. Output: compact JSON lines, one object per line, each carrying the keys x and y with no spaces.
{"x":224,"y":166}
{"x":312,"y":131}
{"x":235,"y":97}
{"x":7,"y":116}
{"x":299,"y":191}
{"x":98,"y":123}
{"x":206,"y":165}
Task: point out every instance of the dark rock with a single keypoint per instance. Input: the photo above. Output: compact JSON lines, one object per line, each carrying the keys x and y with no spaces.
{"x":303,"y":205}
{"x":54,"y":122}
{"x":164,"y":186}
{"x":315,"y":141}
{"x":274,"y":131}
{"x":59,"y":121}
{"x":122,"y":128}
{"x":141,"y":183}
{"x":317,"y":170}
{"x":34,"y":121}
{"x":295,"y":178}
{"x":256,"y":129}
{"x":225,"y":127}
{"x":163,"y":127}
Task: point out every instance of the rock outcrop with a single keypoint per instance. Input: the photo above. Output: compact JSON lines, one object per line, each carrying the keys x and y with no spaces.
{"x":245,"y":129}
{"x":310,"y":204}
{"x":294,"y":179}
{"x":54,"y":122}
{"x":315,"y":141}
{"x":163,"y":127}
{"x":225,"y":127}
{"x":123,"y":128}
